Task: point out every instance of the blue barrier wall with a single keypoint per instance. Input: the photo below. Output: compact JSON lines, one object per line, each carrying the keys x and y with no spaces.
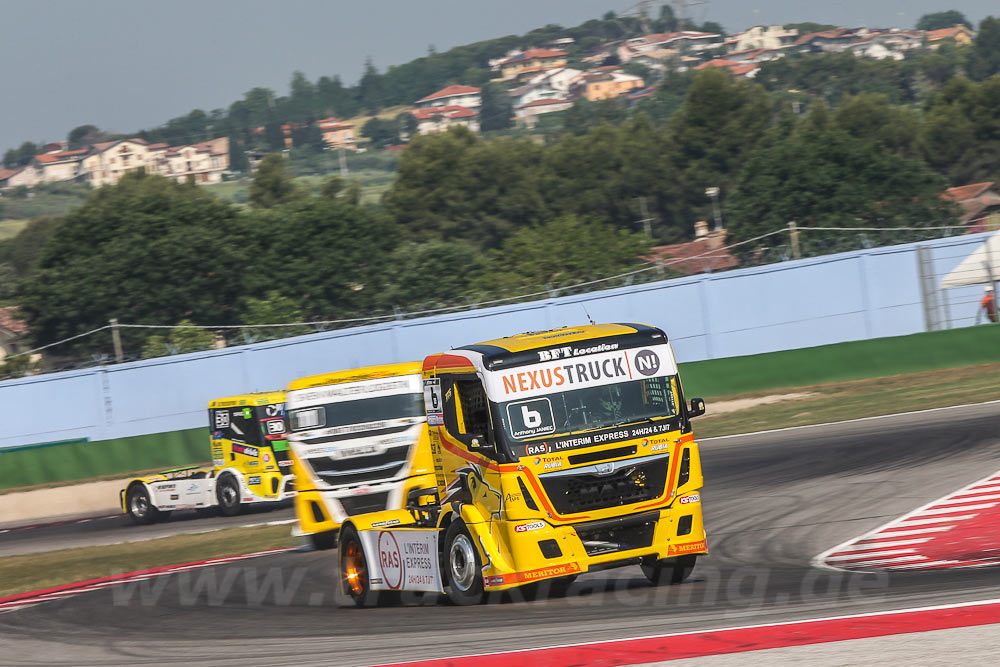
{"x":802,"y":303}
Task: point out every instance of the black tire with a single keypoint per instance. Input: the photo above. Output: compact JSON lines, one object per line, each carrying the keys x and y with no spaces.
{"x":227,"y":492}
{"x":354,"y":570}
{"x":140,"y":505}
{"x":463,"y":569}
{"x":670,"y":570}
{"x":324,"y":541}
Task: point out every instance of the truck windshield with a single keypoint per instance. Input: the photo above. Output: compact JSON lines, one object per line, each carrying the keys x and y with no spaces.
{"x":590,"y":408}
{"x":362,"y":411}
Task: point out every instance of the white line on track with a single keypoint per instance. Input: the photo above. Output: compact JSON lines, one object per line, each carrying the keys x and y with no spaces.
{"x":958,"y":500}
{"x":871,"y":554}
{"x":872,"y":614}
{"x":820,"y":561}
{"x":939,"y":519}
{"x":935,"y":509}
{"x":879,"y":543}
{"x":916,"y":531}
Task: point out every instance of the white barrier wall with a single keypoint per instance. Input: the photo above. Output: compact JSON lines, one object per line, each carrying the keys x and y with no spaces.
{"x":849,"y":296}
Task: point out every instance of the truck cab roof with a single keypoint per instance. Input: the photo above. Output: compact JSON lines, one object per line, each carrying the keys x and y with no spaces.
{"x":524,"y":348}
{"x":253,"y":398}
{"x":356,"y":374}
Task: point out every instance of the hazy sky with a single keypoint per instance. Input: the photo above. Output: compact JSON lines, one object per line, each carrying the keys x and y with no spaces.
{"x":127,"y":64}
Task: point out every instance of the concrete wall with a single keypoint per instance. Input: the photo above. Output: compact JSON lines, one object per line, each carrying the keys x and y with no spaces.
{"x":795,"y":304}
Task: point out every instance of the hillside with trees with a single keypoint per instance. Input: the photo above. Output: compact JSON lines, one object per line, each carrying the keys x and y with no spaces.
{"x":826,"y":140}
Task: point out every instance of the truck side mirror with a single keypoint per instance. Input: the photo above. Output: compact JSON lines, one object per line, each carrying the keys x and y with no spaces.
{"x":697,"y":407}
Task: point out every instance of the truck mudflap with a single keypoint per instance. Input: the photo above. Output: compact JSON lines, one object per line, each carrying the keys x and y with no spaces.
{"x":402,"y":559}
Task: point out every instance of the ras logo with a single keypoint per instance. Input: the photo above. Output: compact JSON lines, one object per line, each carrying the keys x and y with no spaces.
{"x":391,"y":560}
{"x":647,"y":363}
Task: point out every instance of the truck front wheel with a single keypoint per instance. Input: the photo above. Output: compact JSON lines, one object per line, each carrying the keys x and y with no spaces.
{"x":463,"y":569}
{"x":140,"y":505}
{"x":227,"y":491}
{"x":669,"y":570}
{"x":354,"y":569}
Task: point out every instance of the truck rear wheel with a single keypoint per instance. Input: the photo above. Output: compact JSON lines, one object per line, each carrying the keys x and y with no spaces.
{"x":354,"y":569}
{"x":140,"y":505}
{"x":323,"y":541}
{"x":463,"y":569}
{"x":670,"y":570}
{"x":227,"y":492}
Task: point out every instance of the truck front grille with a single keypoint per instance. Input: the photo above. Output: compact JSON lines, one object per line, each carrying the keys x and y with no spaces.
{"x":360,"y":469}
{"x":631,"y":482}
{"x":371,"y":502}
{"x":600,"y":537}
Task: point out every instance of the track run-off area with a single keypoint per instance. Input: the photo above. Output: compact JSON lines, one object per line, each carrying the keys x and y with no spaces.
{"x":777,"y":506}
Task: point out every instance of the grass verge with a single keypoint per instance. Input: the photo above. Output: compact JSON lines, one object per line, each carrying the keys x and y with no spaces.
{"x":19,"y":574}
{"x":854,"y":399}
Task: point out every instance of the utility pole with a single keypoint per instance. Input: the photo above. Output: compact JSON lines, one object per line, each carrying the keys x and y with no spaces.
{"x":793,"y":234}
{"x":116,"y":338}
{"x":713,"y":192}
{"x":646,"y":220}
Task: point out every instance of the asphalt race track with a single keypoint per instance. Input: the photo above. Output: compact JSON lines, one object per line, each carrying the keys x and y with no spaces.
{"x":120,"y":528}
{"x":772,"y":502}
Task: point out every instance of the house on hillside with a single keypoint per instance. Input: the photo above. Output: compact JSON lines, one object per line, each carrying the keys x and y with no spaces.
{"x":106,"y":162}
{"x":531,"y":62}
{"x":958,"y":34}
{"x":13,"y":178}
{"x":529,"y":112}
{"x":439,"y":119}
{"x":58,"y":166}
{"x":675,"y":42}
{"x":203,"y":162}
{"x":549,"y":85}
{"x":12,"y":330}
{"x":980,"y":204}
{"x":763,"y":37}
{"x":337,"y":134}
{"x":734,"y":67}
{"x":604,"y":83}
{"x":454,"y":95}
{"x":706,"y":254}
{"x":828,"y":41}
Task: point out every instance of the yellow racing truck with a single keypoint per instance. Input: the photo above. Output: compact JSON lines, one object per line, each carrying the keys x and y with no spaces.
{"x":359,"y":444}
{"x":250,"y":464}
{"x":555,"y":453}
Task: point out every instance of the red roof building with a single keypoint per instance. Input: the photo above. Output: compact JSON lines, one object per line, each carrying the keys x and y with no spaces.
{"x":453,"y":95}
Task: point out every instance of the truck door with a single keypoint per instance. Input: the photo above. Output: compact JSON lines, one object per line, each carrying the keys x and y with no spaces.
{"x":468,"y":430}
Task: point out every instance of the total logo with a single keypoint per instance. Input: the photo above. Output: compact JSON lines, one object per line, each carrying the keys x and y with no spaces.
{"x":693,"y":498}
{"x":526,"y":527}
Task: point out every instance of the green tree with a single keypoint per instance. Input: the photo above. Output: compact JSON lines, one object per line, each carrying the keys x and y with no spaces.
{"x":20,"y":156}
{"x":146,"y":251}
{"x":272,"y":184}
{"x":431,"y":273}
{"x":302,"y":101}
{"x":24,"y":251}
{"x":822,"y":176}
{"x":938,"y":20}
{"x":496,"y":111}
{"x":182,"y":339}
{"x":238,"y":160}
{"x":84,"y":135}
{"x":406,"y":125}
{"x":370,"y":89}
{"x":273,"y":308}
{"x":338,"y":273}
{"x":382,"y":132}
{"x":961,"y":131}
{"x":984,"y":61}
{"x":560,"y":252}
{"x":872,"y":117}
{"x":718,"y":127}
